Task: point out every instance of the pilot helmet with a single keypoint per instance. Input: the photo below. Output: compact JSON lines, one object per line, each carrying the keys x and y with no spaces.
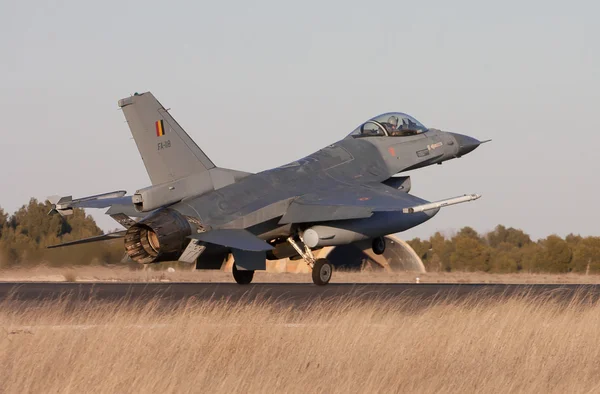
{"x":393,"y":120}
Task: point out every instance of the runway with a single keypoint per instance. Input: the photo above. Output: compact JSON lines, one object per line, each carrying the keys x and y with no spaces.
{"x":295,"y":293}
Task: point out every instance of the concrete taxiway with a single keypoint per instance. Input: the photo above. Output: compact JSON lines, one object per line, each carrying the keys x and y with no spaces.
{"x":281,"y":292}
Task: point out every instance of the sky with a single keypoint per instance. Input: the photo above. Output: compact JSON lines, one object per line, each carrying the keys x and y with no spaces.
{"x":259,"y":84}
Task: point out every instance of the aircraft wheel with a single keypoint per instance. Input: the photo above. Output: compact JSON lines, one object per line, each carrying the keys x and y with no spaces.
{"x":378,"y":245}
{"x":321,"y":272}
{"x":242,"y":277}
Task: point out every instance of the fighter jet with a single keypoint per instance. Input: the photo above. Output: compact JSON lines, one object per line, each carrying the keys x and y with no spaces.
{"x":199,"y":213}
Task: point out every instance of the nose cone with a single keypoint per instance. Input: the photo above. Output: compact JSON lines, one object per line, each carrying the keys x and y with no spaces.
{"x":465,"y":143}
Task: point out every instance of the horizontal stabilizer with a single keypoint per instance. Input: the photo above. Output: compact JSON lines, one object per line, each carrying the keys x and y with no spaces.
{"x":234,"y":238}
{"x":65,"y":205}
{"x":103,"y":237}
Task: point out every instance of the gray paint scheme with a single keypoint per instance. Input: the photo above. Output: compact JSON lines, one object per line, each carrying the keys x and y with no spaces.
{"x":346,"y":190}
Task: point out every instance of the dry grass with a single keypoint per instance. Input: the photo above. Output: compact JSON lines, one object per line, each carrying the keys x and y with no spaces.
{"x":120,"y":273}
{"x":477,"y":345}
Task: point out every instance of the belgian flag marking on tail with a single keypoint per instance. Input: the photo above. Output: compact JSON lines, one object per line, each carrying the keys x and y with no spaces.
{"x":160,"y":128}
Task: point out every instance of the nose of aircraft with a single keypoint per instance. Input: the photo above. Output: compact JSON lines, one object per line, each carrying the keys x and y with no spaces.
{"x":465,"y":143}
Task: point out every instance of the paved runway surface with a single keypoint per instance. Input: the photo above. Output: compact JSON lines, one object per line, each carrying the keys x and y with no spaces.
{"x":281,"y":292}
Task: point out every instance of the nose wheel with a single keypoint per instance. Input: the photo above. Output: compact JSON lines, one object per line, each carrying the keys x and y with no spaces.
{"x":321,"y":272}
{"x":322,"y":269}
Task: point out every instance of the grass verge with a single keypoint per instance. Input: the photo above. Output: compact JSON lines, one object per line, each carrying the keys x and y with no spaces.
{"x":480,"y":344}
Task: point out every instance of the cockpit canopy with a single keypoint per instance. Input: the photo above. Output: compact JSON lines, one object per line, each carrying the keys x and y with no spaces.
{"x":391,"y":124}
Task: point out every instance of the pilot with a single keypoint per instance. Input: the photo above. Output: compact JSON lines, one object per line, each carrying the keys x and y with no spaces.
{"x":392,"y":125}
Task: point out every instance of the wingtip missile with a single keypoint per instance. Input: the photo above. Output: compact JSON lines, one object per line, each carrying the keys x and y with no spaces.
{"x":442,"y":203}
{"x":65,"y":205}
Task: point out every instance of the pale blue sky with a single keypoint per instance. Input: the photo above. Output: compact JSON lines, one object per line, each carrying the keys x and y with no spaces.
{"x":259,"y":84}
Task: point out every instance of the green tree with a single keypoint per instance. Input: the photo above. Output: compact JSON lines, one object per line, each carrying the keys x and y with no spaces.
{"x":29,"y":230}
{"x":505,"y":258}
{"x":555,"y":256}
{"x":441,"y":250}
{"x":420,"y":247}
{"x":469,"y":232}
{"x":3,"y":220}
{"x":529,"y":257}
{"x":3,"y":249}
{"x":586,"y":256}
{"x":470,"y":254}
{"x":573,"y":240}
{"x":509,"y":235}
{"x":509,"y":250}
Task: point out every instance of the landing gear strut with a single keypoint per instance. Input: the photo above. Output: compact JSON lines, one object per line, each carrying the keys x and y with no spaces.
{"x":321,"y":268}
{"x":242,"y":277}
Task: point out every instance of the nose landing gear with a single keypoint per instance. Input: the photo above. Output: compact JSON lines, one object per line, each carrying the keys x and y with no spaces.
{"x":321,"y":268}
{"x":321,"y":272}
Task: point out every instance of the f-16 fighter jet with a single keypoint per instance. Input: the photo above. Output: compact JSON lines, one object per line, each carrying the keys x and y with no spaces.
{"x":199,"y":213}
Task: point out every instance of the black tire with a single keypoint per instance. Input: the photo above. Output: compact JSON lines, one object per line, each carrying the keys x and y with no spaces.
{"x":321,"y":272}
{"x":242,"y":277}
{"x":378,"y":245}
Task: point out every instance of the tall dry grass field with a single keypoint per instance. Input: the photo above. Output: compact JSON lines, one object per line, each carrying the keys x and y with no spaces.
{"x":521,"y":344}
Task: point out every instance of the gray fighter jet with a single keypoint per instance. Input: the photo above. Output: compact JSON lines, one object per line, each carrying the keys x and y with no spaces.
{"x":198,"y":213}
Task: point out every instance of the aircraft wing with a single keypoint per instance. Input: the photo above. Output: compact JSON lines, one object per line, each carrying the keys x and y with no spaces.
{"x":359,"y":201}
{"x":234,"y":238}
{"x":103,"y":237}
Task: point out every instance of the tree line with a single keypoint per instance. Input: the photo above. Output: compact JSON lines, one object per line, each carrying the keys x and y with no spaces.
{"x":506,"y":250}
{"x":25,"y":234}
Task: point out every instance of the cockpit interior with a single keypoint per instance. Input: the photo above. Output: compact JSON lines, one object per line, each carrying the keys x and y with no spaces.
{"x":391,"y":124}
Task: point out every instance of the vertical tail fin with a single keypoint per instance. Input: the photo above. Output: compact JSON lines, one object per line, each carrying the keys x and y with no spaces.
{"x":166,"y":149}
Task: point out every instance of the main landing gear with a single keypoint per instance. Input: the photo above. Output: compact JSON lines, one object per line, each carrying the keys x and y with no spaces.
{"x":321,"y":268}
{"x":378,"y":245}
{"x":242,"y":277}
